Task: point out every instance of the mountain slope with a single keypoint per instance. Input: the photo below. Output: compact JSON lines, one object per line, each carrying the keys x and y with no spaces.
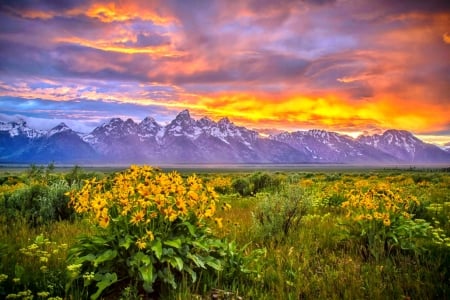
{"x":60,"y":144}
{"x":330,"y":147}
{"x":405,"y":147}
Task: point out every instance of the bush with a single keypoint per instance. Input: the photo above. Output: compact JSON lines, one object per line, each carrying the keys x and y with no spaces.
{"x":281,"y":213}
{"x":242,"y":186}
{"x":38,"y":203}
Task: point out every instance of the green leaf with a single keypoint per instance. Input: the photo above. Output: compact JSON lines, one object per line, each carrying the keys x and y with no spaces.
{"x":126,"y":242}
{"x":214,"y":263}
{"x":140,"y":259}
{"x":191,"y":228}
{"x":89,"y":257}
{"x":148,"y":277}
{"x":200,"y":245}
{"x":176,"y":262}
{"x":19,"y":271}
{"x":197,"y":261}
{"x":157,"y":248}
{"x":105,"y":256}
{"x":104,"y":281}
{"x":191,"y":272}
{"x":173,"y":243}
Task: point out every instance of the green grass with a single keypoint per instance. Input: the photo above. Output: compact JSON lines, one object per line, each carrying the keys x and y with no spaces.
{"x":316,"y":258}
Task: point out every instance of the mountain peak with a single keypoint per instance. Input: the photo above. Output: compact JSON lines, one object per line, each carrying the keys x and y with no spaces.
{"x":114,"y":121}
{"x":148,"y":120}
{"x":183,"y":115}
{"x":224,"y":121}
{"x":61,"y":127}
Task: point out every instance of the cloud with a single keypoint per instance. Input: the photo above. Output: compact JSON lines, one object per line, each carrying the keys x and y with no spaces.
{"x":348,"y":65}
{"x":446,"y":38}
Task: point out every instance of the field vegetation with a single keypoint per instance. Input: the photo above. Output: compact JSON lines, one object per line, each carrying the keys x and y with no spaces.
{"x":142,"y":233}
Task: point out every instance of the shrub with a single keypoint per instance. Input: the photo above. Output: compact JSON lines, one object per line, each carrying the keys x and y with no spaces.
{"x":281,"y":212}
{"x":38,"y":203}
{"x":242,"y":186}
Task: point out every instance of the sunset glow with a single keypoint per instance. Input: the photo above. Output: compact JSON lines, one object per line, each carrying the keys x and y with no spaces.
{"x":350,"y":66}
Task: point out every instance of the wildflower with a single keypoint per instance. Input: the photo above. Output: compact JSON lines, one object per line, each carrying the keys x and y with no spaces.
{"x":226,"y":206}
{"x":218,"y":222}
{"x":170,"y":213}
{"x":103,"y":220}
{"x":150,"y":235}
{"x":44,"y":269}
{"x":137,"y":217}
{"x":141,"y":244}
{"x":387,"y":222}
{"x":88,"y":276}
{"x":193,"y":195}
{"x":43,"y":294}
{"x":74,"y":269}
{"x":43,"y":259}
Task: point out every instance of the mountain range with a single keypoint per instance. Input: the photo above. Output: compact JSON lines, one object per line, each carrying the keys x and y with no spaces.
{"x":186,"y":140}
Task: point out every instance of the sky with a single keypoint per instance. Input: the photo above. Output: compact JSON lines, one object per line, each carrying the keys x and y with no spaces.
{"x":349,"y":66}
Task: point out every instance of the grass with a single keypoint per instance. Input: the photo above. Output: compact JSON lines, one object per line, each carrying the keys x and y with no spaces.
{"x":318,"y":257}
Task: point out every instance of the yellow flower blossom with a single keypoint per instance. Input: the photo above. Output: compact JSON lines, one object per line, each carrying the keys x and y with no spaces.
{"x":218,"y":222}
{"x":141,"y":244}
{"x":137,"y":217}
{"x":150,"y":235}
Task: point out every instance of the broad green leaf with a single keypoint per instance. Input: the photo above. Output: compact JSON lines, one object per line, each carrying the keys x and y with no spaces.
{"x":104,"y":281}
{"x":105,"y":256}
{"x":197,"y":261}
{"x":140,"y":259}
{"x":98,"y":240}
{"x":157,"y":248}
{"x":176,"y":262}
{"x":191,"y":228}
{"x":214,"y":263}
{"x":173,"y":243}
{"x":191,"y":272}
{"x":200,"y":245}
{"x":89,"y":257}
{"x":148,"y":277}
{"x":126,"y":242}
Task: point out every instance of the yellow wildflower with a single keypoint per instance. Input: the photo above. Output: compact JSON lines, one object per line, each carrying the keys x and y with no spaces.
{"x":137,"y":217}
{"x":387,"y":222}
{"x":141,"y":244}
{"x":103,"y":219}
{"x":150,"y":235}
{"x":218,"y":222}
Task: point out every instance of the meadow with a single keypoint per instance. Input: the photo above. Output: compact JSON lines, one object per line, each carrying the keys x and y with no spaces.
{"x":144,"y":233}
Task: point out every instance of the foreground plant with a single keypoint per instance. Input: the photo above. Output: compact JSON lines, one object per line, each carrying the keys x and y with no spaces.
{"x":382,"y":219}
{"x":153,"y":231}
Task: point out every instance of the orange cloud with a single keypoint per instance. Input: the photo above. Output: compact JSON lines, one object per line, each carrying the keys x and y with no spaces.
{"x":446,"y":38}
{"x":332,"y":112}
{"x":124,"y":11}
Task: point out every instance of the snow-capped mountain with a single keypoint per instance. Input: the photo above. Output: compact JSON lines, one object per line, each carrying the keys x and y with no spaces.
{"x":186,"y":140}
{"x":405,"y":147}
{"x":19,"y":143}
{"x":446,"y":147}
{"x":19,"y":128}
{"x":324,"y":146}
